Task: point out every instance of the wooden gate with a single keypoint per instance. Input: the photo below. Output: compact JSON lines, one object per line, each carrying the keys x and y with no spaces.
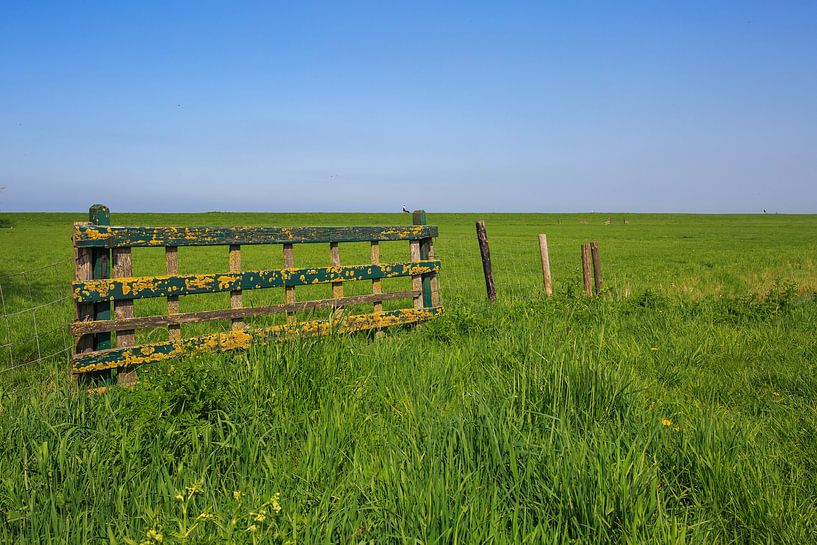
{"x":104,"y":288}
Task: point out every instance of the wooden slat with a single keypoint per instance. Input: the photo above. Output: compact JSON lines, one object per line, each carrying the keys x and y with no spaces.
{"x":334,"y":258}
{"x":419,"y":218}
{"x":82,"y":328}
{"x":435,"y":279}
{"x":416,"y":279}
{"x":119,"y":357}
{"x":174,"y":332}
{"x":289,"y":263}
{"x":123,"y":310}
{"x":83,"y":271}
{"x":101,"y":216}
{"x":110,"y":237}
{"x":377,"y":288}
{"x":236,"y":301}
{"x":187,"y":284}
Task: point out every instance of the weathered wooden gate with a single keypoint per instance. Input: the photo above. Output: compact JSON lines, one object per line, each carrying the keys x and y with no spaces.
{"x":104,"y":285}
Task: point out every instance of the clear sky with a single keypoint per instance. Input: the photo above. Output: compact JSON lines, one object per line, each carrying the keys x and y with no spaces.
{"x":664,"y":106}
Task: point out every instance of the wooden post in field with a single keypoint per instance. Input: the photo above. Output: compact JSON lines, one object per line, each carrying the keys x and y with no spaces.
{"x":485,"y":252}
{"x":597,"y":279}
{"x":586,"y":272}
{"x":83,"y":312}
{"x":543,"y":252}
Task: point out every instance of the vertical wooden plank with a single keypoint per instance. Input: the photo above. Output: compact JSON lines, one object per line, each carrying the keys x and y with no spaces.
{"x":485,"y":252}
{"x":121,"y":264}
{"x":416,"y":280}
{"x":289,"y":262}
{"x":174,"y":332}
{"x":419,"y":218}
{"x":586,"y":273}
{"x":236,"y":300}
{"x":597,"y":278}
{"x":83,"y":270}
{"x":435,"y":280}
{"x":99,"y":214}
{"x":543,"y":252}
{"x":334,"y":254}
{"x":377,"y":289}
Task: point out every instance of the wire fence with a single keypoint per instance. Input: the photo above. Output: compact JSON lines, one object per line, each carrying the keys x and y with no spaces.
{"x":35,"y":310}
{"x":36,"y":307}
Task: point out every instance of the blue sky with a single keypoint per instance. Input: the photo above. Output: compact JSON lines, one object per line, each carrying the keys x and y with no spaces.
{"x":546,"y":106}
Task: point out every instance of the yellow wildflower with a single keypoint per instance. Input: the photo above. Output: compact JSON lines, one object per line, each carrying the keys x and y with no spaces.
{"x":260,"y":516}
{"x":155,"y":535}
{"x":776,"y":394}
{"x":275,"y":502}
{"x":236,"y":495}
{"x":666,"y":422}
{"x":179,"y":496}
{"x":654,"y":349}
{"x":252,"y":528}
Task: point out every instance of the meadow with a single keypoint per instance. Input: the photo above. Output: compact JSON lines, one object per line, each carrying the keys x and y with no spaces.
{"x":678,"y":407}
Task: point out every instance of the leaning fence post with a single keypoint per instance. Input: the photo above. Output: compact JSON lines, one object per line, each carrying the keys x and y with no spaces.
{"x":543,"y":252}
{"x":597,"y":279}
{"x":485,"y":251}
{"x":586,"y":273}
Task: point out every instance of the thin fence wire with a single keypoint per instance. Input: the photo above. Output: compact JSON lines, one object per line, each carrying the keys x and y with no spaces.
{"x":35,"y":311}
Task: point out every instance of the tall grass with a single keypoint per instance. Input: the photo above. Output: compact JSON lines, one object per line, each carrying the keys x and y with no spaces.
{"x":637,"y":420}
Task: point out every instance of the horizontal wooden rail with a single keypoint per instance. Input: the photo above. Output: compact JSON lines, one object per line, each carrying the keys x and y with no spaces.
{"x":101,"y":326}
{"x":141,"y":287}
{"x":218,"y":342}
{"x":86,"y":236}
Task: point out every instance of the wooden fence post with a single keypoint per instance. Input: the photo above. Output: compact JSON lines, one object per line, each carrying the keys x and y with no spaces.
{"x":485,"y":252}
{"x":99,"y":214}
{"x":419,"y":218}
{"x":543,"y":252}
{"x":174,"y":331}
{"x":586,"y":273}
{"x":597,"y":279}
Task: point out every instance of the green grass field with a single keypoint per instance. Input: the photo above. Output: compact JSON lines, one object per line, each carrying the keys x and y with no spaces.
{"x":679,"y":407}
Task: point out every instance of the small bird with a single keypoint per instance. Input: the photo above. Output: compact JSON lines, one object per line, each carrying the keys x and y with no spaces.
{"x":406,"y":211}
{"x":764,"y":210}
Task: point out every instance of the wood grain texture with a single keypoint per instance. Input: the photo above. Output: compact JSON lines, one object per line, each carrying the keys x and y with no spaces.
{"x":83,"y":271}
{"x":545,"y":257}
{"x":598,"y":282}
{"x":289,"y":263}
{"x":334,"y":259}
{"x":111,"y":237}
{"x":587,"y":274}
{"x":83,"y":328}
{"x":188,"y":284}
{"x":123,"y":310}
{"x":174,"y":331}
{"x":218,"y":342}
{"x":376,"y":286}
{"x":236,"y":301}
{"x":419,"y":218}
{"x":416,"y":279}
{"x":485,"y":253}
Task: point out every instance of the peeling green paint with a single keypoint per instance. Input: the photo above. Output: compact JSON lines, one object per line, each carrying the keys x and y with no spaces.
{"x":219,"y":342}
{"x":118,"y":236}
{"x":140,"y":287}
